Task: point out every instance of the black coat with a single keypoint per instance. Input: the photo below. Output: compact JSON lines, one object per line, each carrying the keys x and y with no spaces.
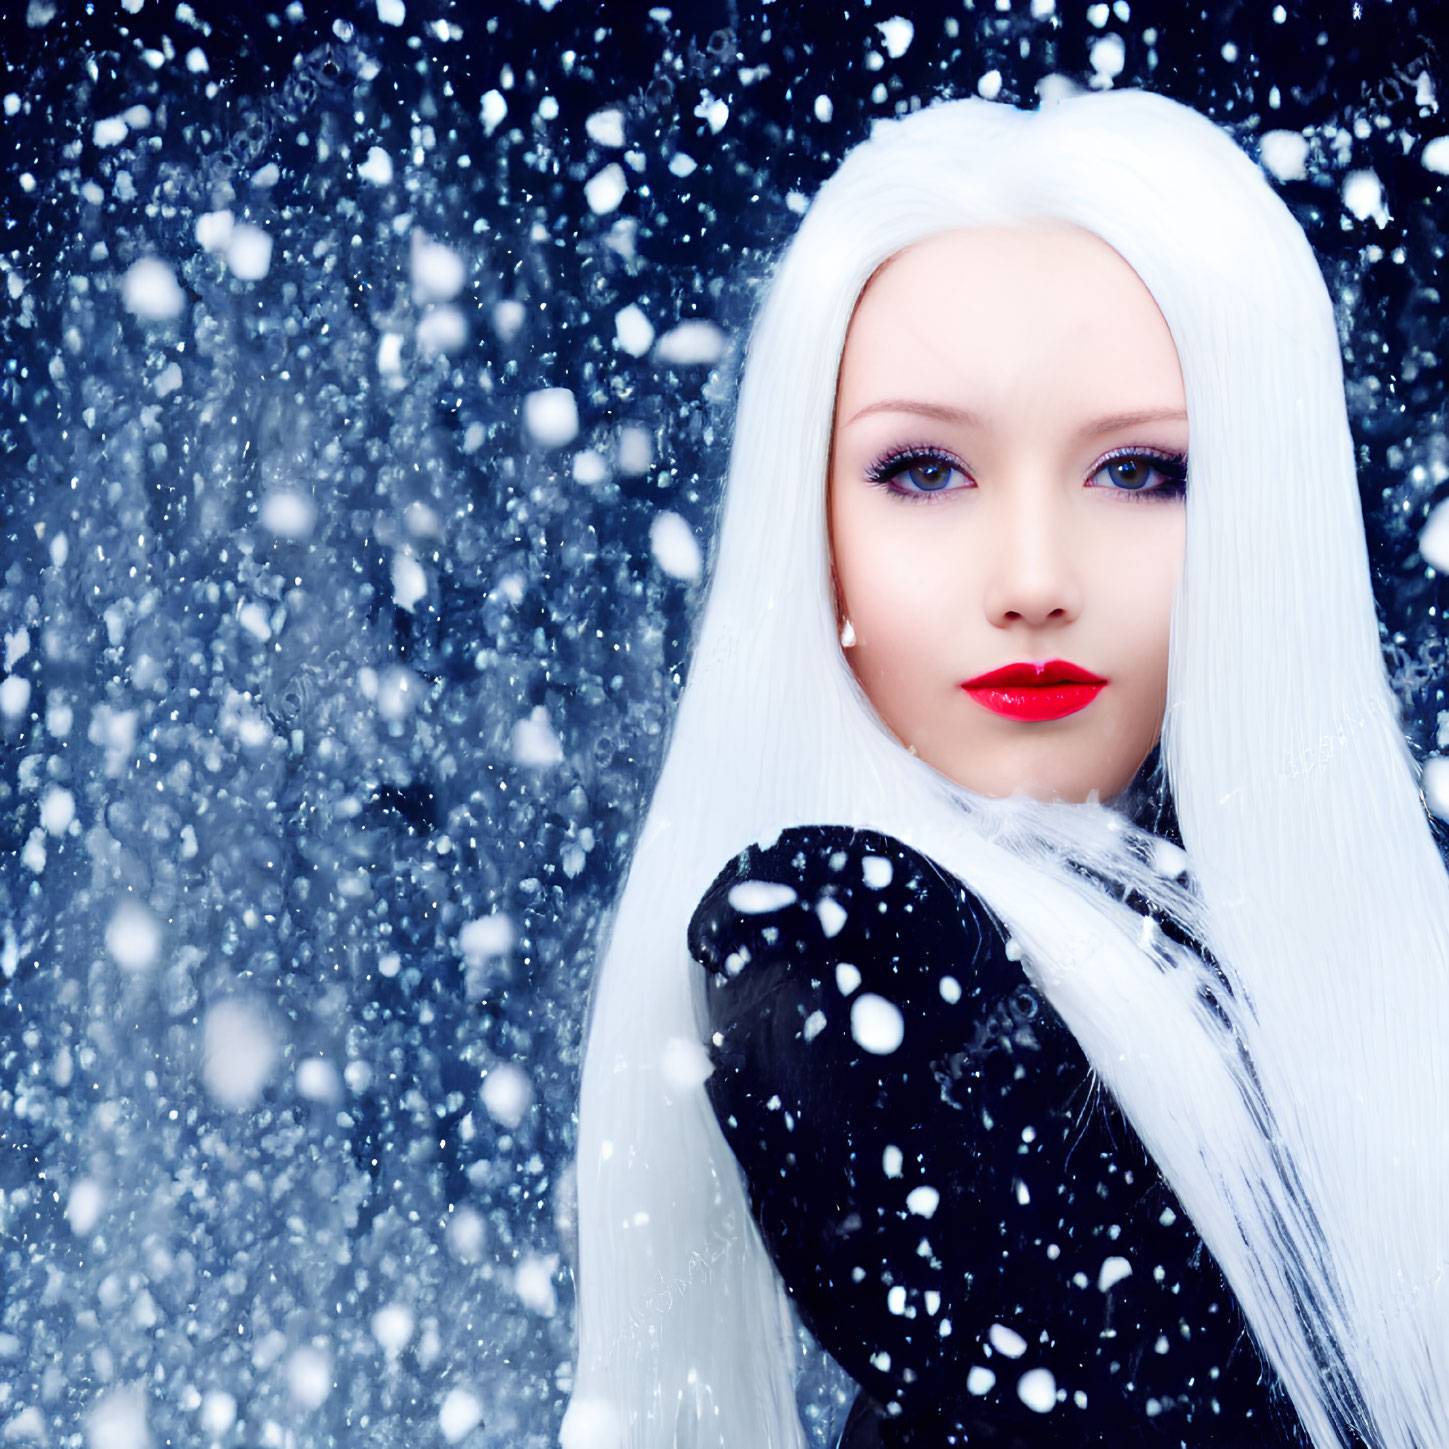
{"x":963,"y":1218}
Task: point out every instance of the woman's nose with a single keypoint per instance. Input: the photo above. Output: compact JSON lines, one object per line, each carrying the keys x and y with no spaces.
{"x":1034,"y":575}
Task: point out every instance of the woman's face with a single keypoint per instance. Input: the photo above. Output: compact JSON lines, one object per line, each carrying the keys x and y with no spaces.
{"x":1006,"y":492}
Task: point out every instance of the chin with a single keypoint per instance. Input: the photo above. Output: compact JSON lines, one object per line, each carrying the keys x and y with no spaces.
{"x":1069,"y":792}
{"x":1046,"y":787}
{"x":1048,"y":781}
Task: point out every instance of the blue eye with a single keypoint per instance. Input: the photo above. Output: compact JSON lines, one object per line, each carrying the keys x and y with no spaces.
{"x":1156,"y":475}
{"x":917,"y":474}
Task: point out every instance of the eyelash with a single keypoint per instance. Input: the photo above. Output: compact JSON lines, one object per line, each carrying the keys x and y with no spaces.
{"x":1171,"y":466}
{"x":885,"y":470}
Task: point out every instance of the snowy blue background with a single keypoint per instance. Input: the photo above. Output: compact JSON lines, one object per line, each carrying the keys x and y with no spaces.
{"x":340,"y":646}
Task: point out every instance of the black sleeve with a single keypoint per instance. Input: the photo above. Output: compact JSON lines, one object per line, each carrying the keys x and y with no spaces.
{"x":858,"y":995}
{"x":961,"y":1224}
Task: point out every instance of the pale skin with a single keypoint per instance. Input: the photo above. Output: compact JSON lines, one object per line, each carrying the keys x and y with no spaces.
{"x":1006,"y":487}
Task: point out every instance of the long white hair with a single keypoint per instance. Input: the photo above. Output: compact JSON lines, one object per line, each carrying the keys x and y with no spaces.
{"x":1295,"y":1096}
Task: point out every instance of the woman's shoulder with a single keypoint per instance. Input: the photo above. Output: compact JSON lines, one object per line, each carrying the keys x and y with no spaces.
{"x":835,"y":886}
{"x":828,"y":927}
{"x":838,"y":855}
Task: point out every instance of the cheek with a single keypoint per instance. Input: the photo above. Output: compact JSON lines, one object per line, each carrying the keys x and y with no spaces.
{"x":883,"y":600}
{"x":1165,"y":572}
{"x":1145,"y":540}
{"x":893,"y":604}
{"x":1143,"y":586}
{"x":895,"y":582}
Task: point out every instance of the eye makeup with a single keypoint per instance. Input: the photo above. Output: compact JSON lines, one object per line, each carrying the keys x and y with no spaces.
{"x":919,"y":472}
{"x":1163,"y":475}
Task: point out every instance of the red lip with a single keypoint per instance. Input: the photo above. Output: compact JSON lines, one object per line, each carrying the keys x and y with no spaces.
{"x":1050,"y":690}
{"x":1050,"y":671}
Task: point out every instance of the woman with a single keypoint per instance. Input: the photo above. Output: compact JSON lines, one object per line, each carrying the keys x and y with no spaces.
{"x":957,"y":1220}
{"x":1275,"y":1046}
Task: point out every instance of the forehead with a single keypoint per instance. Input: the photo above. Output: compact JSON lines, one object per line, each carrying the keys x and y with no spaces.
{"x":997,"y":309}
{"x":1047,"y":256}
